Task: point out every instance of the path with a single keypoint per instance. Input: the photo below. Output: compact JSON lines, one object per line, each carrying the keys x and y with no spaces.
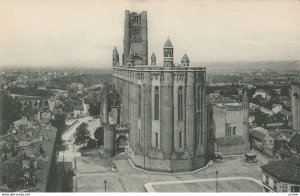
{"x":70,"y":153}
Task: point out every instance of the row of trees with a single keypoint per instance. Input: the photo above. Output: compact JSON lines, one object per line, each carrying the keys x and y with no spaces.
{"x":86,"y":79}
{"x":34,"y":91}
{"x":262,"y":119}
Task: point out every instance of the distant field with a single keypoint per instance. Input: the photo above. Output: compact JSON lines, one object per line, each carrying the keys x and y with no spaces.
{"x":86,"y":79}
{"x":223,"y":186}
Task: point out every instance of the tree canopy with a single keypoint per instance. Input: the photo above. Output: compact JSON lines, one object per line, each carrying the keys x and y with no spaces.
{"x":94,"y":109}
{"x":9,"y":112}
{"x":99,"y":135}
{"x":82,"y":134}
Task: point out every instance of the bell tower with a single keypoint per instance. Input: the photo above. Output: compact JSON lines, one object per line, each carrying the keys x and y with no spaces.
{"x":136,"y":37}
{"x":168,"y":54}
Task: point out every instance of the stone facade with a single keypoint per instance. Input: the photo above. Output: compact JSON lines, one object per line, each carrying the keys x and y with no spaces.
{"x":229,"y":127}
{"x":296,"y":105}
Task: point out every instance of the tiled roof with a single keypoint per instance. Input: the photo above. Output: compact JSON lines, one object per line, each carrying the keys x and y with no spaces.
{"x":168,"y":44}
{"x":78,"y":107}
{"x":285,"y":170}
{"x":221,"y":99}
{"x":233,"y":107}
{"x":285,"y":112}
{"x":259,"y":132}
{"x":284,"y":132}
{"x":185,"y":58}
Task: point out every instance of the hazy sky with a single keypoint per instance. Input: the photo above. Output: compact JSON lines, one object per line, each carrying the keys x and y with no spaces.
{"x":83,"y":33}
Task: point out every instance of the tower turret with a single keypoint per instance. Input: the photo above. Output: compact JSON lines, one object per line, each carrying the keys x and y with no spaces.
{"x":153,"y":59}
{"x":168,"y":54}
{"x":115,"y":57}
{"x":245,"y":104}
{"x":185,"y":61}
{"x":130,"y":60}
{"x":136,"y":37}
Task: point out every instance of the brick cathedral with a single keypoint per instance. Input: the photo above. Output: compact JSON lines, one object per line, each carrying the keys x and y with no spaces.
{"x":162,"y":106}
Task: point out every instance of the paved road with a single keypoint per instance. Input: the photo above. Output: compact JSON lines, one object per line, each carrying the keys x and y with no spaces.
{"x":70,"y":154}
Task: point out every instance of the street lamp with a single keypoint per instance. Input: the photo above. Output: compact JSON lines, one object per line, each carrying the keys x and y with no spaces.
{"x":105,"y":185}
{"x":217,"y":182}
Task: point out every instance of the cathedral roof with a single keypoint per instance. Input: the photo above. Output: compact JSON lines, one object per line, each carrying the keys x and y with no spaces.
{"x":185,"y":58}
{"x":168,"y":44}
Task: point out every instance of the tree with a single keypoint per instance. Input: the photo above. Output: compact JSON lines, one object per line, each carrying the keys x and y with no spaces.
{"x":285,"y":91}
{"x":261,"y":119}
{"x":99,"y":135}
{"x":92,"y":143}
{"x":59,"y":121}
{"x":94,"y":109}
{"x":82,"y":134}
{"x":10,"y":110}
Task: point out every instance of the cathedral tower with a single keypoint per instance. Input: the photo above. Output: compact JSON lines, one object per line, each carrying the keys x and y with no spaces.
{"x":136,"y":37}
{"x":168,"y":54}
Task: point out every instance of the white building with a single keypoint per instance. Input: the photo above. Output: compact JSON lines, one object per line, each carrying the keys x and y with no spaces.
{"x":282,"y":175}
{"x":262,"y":93}
{"x":276,"y":108}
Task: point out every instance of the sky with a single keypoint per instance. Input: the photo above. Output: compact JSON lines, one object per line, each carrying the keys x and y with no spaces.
{"x":82,"y":33}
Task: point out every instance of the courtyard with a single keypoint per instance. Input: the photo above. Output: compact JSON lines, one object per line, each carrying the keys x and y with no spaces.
{"x":129,"y":179}
{"x":92,"y":170}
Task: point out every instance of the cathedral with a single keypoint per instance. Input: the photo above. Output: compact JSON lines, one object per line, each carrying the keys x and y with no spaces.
{"x":162,"y":106}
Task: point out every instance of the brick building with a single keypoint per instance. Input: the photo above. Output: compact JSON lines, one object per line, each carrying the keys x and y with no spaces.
{"x":164,"y":105}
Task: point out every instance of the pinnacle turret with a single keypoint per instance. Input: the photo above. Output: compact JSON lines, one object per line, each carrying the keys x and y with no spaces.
{"x":115,"y":57}
{"x":185,"y":61}
{"x":153,"y":59}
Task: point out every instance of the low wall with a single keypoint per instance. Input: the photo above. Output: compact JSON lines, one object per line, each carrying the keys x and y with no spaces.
{"x":177,"y":165}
